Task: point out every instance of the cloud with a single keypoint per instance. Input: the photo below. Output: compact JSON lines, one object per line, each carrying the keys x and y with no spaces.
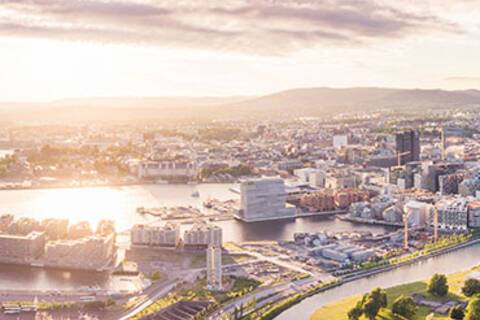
{"x":463,"y":79}
{"x":253,"y":26}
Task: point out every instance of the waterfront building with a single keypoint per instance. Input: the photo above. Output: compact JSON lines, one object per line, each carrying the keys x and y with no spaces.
{"x":90,"y":253}
{"x":55,"y":228}
{"x":214,"y":268}
{"x":320,"y":201}
{"x":21,"y":248}
{"x":168,"y":169}
{"x":202,"y":235}
{"x":344,"y":198}
{"x":417,"y":213}
{"x":454,"y":215}
{"x":264,"y":199}
{"x":161,"y":236}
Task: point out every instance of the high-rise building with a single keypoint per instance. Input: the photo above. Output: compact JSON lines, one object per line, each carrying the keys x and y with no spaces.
{"x":408,"y":146}
{"x":264,"y":199}
{"x":214,"y":268}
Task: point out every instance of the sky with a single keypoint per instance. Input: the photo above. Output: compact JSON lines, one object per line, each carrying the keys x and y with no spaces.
{"x":54,"y":49}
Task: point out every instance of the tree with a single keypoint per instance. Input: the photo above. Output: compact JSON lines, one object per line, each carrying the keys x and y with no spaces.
{"x":471,"y":287}
{"x":438,"y":285}
{"x":380,"y":297}
{"x":404,"y":306}
{"x":456,"y":313}
{"x":473,"y":309}
{"x":371,"y":308}
{"x":356,"y":312}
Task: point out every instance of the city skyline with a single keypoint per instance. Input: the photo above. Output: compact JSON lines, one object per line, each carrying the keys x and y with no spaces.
{"x":56,"y":49}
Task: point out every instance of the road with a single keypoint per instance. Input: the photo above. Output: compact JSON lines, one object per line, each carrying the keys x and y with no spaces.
{"x":265,"y":296}
{"x":166,"y":287}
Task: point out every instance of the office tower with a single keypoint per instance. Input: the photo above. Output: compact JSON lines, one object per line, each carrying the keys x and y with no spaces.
{"x":214,"y":268}
{"x":264,"y":199}
{"x":408,"y":146}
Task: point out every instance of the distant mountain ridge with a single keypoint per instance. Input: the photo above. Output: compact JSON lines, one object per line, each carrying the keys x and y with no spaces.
{"x":311,"y":101}
{"x":294,"y":102}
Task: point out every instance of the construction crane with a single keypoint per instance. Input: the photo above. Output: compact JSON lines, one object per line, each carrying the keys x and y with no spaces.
{"x":399,"y":157}
{"x":405,"y":231}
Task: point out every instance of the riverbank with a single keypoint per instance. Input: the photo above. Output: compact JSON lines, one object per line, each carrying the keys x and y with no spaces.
{"x":339,"y":309}
{"x":368,"y":273}
{"x":111,"y":184}
{"x":370,"y":221}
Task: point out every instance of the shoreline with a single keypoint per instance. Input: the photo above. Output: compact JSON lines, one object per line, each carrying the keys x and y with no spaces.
{"x":108,"y":185}
{"x":371,"y":222}
{"x":382,"y":269}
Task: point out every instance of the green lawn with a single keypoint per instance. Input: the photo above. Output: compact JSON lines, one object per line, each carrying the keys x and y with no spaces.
{"x":339,"y":309}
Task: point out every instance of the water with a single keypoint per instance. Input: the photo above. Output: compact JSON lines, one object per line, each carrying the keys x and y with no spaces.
{"x":5,"y":152}
{"x":119,"y":204}
{"x":456,"y":261}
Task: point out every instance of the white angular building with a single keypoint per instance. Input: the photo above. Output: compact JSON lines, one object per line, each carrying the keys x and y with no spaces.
{"x":264,"y":199}
{"x":214,"y":268}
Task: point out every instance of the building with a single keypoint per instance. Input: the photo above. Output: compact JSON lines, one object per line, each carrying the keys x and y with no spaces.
{"x":161,"y":236}
{"x":474,"y":214}
{"x":21,"y":249}
{"x":417,"y":213}
{"x":90,"y":253}
{"x":340,"y":140}
{"x":407,"y":146}
{"x":454,"y":215}
{"x":345,"y":197}
{"x":320,"y":201}
{"x":290,"y":165}
{"x":341,"y":180}
{"x":448,"y":134}
{"x":214,"y":268}
{"x":314,"y":177}
{"x":264,"y":199}
{"x":449,"y":184}
{"x":202,"y":235}
{"x":168,"y":169}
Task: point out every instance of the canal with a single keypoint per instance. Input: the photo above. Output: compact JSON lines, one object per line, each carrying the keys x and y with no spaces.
{"x":460,"y":260}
